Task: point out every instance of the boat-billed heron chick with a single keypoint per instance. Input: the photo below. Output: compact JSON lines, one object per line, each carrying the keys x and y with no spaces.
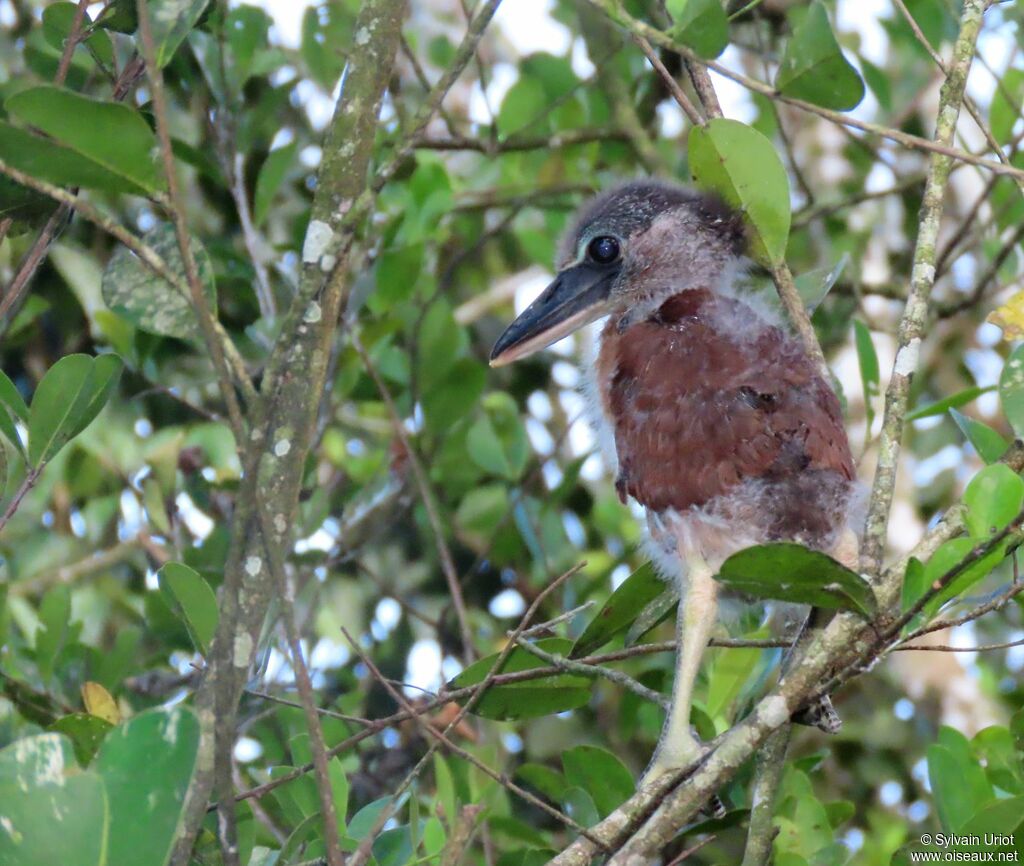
{"x":723,"y":428}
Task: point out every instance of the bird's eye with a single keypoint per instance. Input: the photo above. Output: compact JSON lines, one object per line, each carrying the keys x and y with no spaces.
{"x":603,"y":250}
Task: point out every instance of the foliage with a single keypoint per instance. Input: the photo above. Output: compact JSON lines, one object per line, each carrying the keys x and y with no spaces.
{"x":427,"y":500}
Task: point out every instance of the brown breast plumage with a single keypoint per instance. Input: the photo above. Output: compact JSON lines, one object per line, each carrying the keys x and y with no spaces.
{"x":704,"y":397}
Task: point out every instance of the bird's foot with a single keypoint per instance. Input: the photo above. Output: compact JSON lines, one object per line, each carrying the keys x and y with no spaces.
{"x":672,"y":758}
{"x":820,"y":714}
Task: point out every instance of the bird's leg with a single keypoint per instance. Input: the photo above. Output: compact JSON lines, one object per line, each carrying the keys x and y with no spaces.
{"x":678,"y":748}
{"x":819,"y":713}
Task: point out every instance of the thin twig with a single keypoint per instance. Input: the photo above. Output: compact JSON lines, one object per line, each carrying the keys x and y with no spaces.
{"x":996,"y":603}
{"x":377,"y":725}
{"x":616,"y":12}
{"x":943,"y":648}
{"x":71,"y":42}
{"x":429,"y":503}
{"x":562,"y":617}
{"x":318,"y":748}
{"x":922,"y":280}
{"x":591,"y":671}
{"x":677,"y":92}
{"x":254,"y":243}
{"x":58,"y":219}
{"x":28,"y":482}
{"x":176,"y":208}
{"x":969,"y":104}
{"x":693,"y":849}
{"x":515,"y":144}
{"x":147,"y":255}
{"x":363,"y":852}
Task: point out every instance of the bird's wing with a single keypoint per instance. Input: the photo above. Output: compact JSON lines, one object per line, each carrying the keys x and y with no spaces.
{"x":696,"y":412}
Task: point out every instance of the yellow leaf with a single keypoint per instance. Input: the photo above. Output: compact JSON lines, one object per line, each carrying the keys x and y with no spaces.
{"x":1010,"y":317}
{"x":100,"y":703}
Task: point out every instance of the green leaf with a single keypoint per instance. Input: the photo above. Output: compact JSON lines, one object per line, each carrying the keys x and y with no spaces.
{"x":601,"y":774}
{"x":110,"y":134}
{"x":878,"y":81}
{"x":482,"y":509}
{"x":12,"y":409}
{"x":270,"y":178}
{"x":914,"y":583}
{"x":993,"y":498}
{"x":813,"y":286}
{"x":58,"y":19}
{"x":522,"y":700}
{"x":525,"y":103}
{"x":1007,"y":105}
{"x":246,"y":28}
{"x":701,"y":25}
{"x":580,"y":806}
{"x":171,"y":22}
{"x":742,"y":166}
{"x":997,"y":752}
{"x":69,"y":397}
{"x":54,"y":619}
{"x":86,"y":733}
{"x":958,"y":783}
{"x":484,"y":447}
{"x":397,"y":272}
{"x":304,"y":834}
{"x":156,"y":510}
{"x":150,"y":302}
{"x":989,"y":444}
{"x":53,"y":813}
{"x":363,"y":820}
{"x":340,"y":790}
{"x":447,"y":801}
{"x":452,"y":399}
{"x":813,"y":67}
{"x":497,"y":441}
{"x":790,"y":572}
{"x":146,"y":765}
{"x":1011,"y":390}
{"x":945,"y":559}
{"x":869,"y":373}
{"x":728,"y":672}
{"x":46,"y":160}
{"x":191,"y":598}
{"x":1003,"y":818}
{"x":954,"y":401}
{"x":549,"y":782}
{"x":622,"y":608}
{"x":440,"y":341}
{"x":653,"y":613}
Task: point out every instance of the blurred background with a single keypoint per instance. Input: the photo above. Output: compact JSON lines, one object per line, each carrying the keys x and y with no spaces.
{"x":556,"y":105}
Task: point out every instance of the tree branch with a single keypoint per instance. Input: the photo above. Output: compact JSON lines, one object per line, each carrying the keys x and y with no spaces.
{"x":922,"y":279}
{"x":283,"y":419}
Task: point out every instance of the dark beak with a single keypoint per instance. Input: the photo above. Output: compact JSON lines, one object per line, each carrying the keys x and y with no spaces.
{"x":578,"y":296}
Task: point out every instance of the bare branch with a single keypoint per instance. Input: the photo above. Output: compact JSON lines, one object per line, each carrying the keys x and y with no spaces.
{"x":915,"y":312}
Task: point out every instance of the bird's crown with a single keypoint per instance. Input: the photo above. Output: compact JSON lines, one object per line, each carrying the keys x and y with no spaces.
{"x":632,"y":208}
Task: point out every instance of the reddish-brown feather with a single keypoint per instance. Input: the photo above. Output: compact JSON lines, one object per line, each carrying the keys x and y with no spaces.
{"x":698,"y":408}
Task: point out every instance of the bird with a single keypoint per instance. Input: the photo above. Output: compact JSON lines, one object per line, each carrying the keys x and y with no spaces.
{"x":720,"y":424}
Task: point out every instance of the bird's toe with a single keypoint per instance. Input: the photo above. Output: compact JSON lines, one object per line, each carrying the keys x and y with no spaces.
{"x":820,"y":714}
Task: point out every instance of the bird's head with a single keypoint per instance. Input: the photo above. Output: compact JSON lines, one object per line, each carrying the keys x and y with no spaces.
{"x":629,"y":250}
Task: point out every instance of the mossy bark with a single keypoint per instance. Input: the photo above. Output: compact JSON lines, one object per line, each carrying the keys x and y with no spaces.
{"x":283,"y":419}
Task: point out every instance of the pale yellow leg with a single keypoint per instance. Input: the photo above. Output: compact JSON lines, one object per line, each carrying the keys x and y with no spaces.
{"x":678,"y":748}
{"x":847,"y":550}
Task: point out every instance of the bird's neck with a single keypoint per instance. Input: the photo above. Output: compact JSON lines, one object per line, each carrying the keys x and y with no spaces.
{"x":669,"y":308}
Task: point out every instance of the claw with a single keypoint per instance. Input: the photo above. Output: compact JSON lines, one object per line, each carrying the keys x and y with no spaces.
{"x":820,"y":714}
{"x":713,"y":808}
